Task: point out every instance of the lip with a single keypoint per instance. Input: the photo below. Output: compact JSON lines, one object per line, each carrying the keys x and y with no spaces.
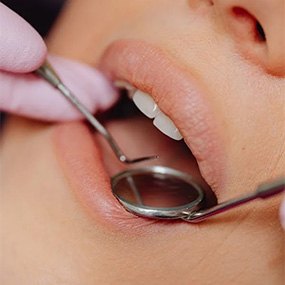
{"x":81,"y":157}
{"x":178,"y":95}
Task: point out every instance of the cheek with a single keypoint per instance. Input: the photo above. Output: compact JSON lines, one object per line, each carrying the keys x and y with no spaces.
{"x":249,"y":107}
{"x":249,"y":104}
{"x":43,"y":223}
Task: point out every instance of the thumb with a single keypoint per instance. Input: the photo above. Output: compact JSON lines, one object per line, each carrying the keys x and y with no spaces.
{"x":22,"y":48}
{"x":31,"y":96}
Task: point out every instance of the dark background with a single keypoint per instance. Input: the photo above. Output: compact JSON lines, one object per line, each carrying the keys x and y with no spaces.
{"x":39,"y":13}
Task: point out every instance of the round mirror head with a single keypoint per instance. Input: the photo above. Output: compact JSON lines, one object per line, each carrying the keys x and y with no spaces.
{"x":157,"y":192}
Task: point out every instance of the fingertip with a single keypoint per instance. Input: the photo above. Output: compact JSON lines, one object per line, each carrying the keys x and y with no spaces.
{"x":22,"y":48}
{"x":86,"y":82}
{"x":31,"y":96}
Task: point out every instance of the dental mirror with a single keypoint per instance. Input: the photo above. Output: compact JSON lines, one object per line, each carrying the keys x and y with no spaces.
{"x":164,"y":193}
{"x":157,"y":192}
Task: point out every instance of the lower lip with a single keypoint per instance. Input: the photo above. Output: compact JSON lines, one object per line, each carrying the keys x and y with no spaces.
{"x":81,"y":160}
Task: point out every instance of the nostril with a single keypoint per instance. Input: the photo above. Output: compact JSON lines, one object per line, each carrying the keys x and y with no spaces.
{"x":260,"y":32}
{"x":251,"y":28}
{"x":257,"y":34}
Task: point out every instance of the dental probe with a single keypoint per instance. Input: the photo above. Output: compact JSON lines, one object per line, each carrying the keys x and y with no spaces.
{"x":47,"y":72}
{"x":264,"y":191}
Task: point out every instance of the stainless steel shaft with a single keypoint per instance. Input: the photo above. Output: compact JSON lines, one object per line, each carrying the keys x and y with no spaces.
{"x":48,"y":73}
{"x":264,"y":191}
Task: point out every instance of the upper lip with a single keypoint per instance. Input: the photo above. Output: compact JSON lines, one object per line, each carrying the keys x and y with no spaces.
{"x":178,"y":95}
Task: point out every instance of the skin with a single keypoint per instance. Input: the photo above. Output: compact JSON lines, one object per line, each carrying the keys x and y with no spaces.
{"x":49,"y":236}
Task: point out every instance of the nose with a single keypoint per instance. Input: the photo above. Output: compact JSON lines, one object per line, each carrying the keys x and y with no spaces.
{"x":258,"y":28}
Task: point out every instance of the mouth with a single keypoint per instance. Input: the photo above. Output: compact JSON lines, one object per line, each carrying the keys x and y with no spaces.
{"x":172,"y":98}
{"x":177,"y":124}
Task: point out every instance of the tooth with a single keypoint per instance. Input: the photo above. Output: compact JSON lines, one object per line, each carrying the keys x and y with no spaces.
{"x":125,"y":85}
{"x":146,"y":104}
{"x":166,"y":126}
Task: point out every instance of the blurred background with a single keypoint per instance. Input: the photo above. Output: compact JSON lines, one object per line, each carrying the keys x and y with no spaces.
{"x":39,"y":13}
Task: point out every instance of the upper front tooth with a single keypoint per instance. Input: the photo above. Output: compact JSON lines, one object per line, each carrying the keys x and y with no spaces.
{"x":125,"y":85}
{"x":146,"y":104}
{"x":166,"y":126}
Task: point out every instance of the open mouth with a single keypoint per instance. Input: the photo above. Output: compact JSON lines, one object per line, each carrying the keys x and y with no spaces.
{"x":170,"y":100}
{"x":169,"y":96}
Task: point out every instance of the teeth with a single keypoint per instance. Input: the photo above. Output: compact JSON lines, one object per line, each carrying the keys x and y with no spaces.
{"x":147,"y":105}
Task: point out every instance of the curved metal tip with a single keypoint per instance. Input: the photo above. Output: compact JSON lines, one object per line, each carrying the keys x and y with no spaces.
{"x":47,"y":72}
{"x":124,"y":159}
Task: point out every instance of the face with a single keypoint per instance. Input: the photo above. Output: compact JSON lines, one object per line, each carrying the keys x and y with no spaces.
{"x":216,"y":71}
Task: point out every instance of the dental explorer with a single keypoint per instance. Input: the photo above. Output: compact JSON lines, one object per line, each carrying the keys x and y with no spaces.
{"x":47,"y":72}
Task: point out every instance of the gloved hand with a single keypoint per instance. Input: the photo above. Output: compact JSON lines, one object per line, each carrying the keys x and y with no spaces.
{"x":22,"y":50}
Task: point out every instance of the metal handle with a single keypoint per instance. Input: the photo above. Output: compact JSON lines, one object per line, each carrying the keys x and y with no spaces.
{"x":264,"y":191}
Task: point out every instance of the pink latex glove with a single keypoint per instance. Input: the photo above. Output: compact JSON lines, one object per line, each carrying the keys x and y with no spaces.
{"x":22,"y":50}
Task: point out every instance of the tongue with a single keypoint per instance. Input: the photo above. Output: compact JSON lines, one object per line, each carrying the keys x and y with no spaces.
{"x":138,"y":137}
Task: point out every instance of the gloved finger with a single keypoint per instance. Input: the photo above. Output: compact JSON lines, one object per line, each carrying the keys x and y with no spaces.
{"x":31,"y":96}
{"x":22,"y":48}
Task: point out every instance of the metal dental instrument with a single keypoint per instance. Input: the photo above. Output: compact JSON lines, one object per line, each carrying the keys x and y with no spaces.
{"x":47,"y":72}
{"x":160,"y":192}
{"x":264,"y":191}
{"x":164,"y":193}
